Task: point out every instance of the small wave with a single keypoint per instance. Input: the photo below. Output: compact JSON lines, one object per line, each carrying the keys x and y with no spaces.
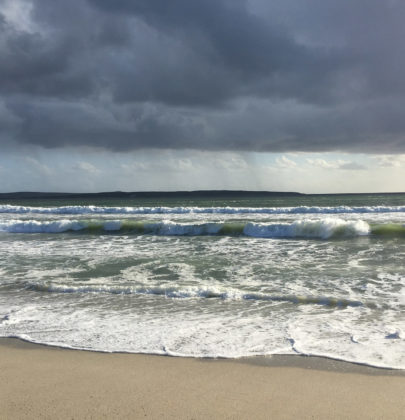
{"x":318,"y":228}
{"x":71,"y":210}
{"x":321,"y":229}
{"x":388,"y":229}
{"x":191,"y":293}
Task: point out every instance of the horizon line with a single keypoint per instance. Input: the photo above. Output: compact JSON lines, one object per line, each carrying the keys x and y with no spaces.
{"x":178,"y":192}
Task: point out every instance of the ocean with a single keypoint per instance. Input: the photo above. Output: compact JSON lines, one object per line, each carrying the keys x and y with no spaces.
{"x":225,"y":277}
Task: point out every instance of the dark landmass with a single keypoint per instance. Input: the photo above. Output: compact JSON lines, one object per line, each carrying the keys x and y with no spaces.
{"x":147,"y":194}
{"x":214,"y":194}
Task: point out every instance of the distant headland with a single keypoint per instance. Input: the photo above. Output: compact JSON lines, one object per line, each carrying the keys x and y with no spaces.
{"x":148,"y":194}
{"x":203,"y":194}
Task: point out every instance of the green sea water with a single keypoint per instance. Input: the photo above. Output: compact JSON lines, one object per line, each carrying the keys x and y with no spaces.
{"x":325,"y":200}
{"x":208,"y":277}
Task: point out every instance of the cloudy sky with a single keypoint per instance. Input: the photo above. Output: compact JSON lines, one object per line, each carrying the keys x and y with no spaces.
{"x":298,"y":95}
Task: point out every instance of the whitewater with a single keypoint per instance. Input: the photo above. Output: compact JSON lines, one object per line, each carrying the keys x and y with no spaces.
{"x":91,"y":209}
{"x":201,"y":279}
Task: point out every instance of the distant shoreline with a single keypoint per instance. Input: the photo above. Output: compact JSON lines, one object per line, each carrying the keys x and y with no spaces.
{"x":148,"y":194}
{"x":172,"y":194}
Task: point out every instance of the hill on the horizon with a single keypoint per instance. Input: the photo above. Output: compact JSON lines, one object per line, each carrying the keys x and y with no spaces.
{"x":146,"y":194}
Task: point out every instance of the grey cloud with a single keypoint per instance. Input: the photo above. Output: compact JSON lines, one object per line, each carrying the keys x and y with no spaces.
{"x":102,"y":125}
{"x":210,"y":75}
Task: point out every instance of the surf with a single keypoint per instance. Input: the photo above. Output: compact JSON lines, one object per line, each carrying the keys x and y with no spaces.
{"x":191,"y":293}
{"x":90,"y":210}
{"x":323,"y":228}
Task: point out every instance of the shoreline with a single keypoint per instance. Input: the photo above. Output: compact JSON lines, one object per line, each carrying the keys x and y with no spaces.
{"x":320,"y":363}
{"x":39,"y":381}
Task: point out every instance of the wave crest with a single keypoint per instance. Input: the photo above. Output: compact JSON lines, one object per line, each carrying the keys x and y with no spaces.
{"x":308,"y":228}
{"x":191,"y":293}
{"x":71,"y":210}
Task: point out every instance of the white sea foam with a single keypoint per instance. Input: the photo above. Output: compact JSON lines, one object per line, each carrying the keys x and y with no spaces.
{"x":39,"y":226}
{"x":341,"y":334}
{"x":71,"y":210}
{"x":190,"y":293}
{"x":203,"y":282}
{"x":307,"y":228}
{"x":323,"y":229}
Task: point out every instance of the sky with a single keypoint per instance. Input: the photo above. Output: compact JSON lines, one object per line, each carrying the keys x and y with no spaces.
{"x":137,"y":95}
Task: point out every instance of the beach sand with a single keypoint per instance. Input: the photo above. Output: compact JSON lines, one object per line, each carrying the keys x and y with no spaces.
{"x":40,"y":382}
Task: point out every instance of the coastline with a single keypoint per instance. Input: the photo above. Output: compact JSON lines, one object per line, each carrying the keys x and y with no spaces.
{"x":40,"y":381}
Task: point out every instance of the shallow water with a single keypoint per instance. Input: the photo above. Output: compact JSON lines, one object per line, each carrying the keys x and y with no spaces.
{"x":322,"y":275}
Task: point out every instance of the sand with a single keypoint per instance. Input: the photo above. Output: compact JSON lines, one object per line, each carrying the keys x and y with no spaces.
{"x":39,"y":382}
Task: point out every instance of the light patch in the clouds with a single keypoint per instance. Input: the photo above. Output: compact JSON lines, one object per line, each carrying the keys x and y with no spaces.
{"x":8,"y":120}
{"x":18,"y":14}
{"x":335,"y":164}
{"x":352,"y":166}
{"x":321,"y":163}
{"x":71,"y":170}
{"x":129,"y":168}
{"x":167,"y":162}
{"x":187,"y":161}
{"x":86,"y":167}
{"x":185,"y":164}
{"x":39,"y":168}
{"x":390,"y":161}
{"x":284,"y":163}
{"x":230,"y":162}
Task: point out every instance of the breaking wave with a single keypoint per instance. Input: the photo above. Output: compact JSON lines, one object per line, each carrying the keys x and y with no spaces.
{"x":307,"y":228}
{"x":192,"y":292}
{"x":6,"y":208}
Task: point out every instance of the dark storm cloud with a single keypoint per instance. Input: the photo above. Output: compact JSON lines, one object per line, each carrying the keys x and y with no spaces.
{"x":225,"y":74}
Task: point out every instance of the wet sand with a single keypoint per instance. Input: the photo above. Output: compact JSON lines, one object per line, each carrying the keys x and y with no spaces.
{"x":44,"y":382}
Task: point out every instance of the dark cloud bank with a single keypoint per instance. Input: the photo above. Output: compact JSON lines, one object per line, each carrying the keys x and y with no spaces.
{"x":286,"y":75}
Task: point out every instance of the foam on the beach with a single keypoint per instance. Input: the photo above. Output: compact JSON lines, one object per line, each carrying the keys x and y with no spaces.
{"x":207,"y":282}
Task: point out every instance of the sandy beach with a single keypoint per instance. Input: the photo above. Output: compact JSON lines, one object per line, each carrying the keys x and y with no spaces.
{"x":47,"y":383}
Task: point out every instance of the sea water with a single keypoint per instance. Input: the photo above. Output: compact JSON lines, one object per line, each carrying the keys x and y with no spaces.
{"x":312,"y":275}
